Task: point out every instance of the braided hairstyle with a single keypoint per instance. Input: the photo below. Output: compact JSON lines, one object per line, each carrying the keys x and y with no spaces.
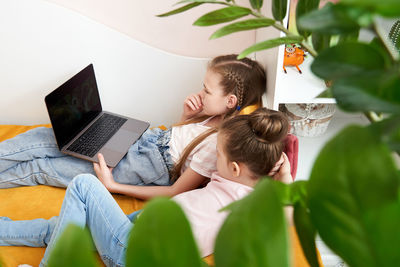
{"x":256,"y":140}
{"x":245,"y":78}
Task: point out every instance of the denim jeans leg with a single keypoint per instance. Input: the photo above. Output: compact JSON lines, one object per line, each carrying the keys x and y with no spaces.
{"x":88,"y":203}
{"x":32,"y":233}
{"x":144,"y":163}
{"x":33,"y":158}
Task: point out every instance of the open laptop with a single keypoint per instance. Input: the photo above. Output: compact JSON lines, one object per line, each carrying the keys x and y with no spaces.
{"x":82,"y":129}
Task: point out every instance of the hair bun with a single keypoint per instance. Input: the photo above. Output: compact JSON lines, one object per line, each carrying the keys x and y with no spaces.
{"x":269,"y":126}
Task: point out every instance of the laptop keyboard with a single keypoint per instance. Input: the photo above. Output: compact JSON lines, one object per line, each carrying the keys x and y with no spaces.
{"x":93,"y":139}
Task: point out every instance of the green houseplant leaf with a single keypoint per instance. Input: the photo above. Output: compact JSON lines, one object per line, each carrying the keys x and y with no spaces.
{"x":320,"y":41}
{"x":73,"y":248}
{"x":279,"y":8}
{"x":244,"y":25}
{"x":249,"y":237}
{"x":306,"y":232}
{"x":162,"y":236}
{"x":347,"y":59}
{"x":179,"y":10}
{"x":298,"y":193}
{"x":304,"y":7}
{"x":389,"y":131}
{"x":349,"y":37}
{"x":222,"y":15}
{"x":269,"y":44}
{"x":330,"y":20}
{"x":256,"y":4}
{"x":371,"y":91}
{"x":378,"y":45}
{"x":192,"y":4}
{"x":388,"y":8}
{"x":353,"y":181}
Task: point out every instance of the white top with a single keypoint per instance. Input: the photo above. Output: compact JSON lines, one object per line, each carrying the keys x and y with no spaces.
{"x":203,"y":158}
{"x":202,"y":206}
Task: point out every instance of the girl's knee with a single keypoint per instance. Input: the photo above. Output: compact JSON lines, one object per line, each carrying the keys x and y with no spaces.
{"x":84,"y":181}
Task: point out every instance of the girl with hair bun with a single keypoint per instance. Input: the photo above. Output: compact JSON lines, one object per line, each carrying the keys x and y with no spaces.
{"x":248,"y":147}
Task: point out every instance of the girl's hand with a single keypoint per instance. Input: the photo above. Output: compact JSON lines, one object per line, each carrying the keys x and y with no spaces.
{"x":277,"y":166}
{"x":283,"y":174}
{"x":103,"y":172}
{"x":192,"y":106}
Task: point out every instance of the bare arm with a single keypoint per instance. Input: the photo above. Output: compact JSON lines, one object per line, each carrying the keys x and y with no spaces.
{"x":189,"y":180}
{"x":284,"y":176}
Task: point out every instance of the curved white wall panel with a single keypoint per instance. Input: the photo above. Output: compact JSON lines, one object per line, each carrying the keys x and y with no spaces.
{"x":43,"y":44}
{"x":175,"y":34}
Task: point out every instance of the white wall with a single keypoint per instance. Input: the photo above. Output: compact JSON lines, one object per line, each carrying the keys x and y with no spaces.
{"x":45,"y":42}
{"x":42,"y":45}
{"x":175,"y":34}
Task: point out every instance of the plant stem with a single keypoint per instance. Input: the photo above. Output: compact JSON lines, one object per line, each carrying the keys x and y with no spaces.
{"x":303,"y":43}
{"x":372,"y":116}
{"x":309,"y":48}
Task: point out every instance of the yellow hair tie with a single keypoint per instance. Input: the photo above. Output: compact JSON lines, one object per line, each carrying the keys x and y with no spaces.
{"x":249,"y":109}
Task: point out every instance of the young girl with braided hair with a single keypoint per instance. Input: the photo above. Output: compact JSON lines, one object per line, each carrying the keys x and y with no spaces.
{"x":248,"y":148}
{"x":159,"y":157}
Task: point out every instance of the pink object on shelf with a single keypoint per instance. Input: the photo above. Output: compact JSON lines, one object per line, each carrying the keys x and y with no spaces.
{"x":292,"y":151}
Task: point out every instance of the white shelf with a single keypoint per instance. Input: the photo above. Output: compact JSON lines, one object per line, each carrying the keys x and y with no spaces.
{"x":293,"y":87}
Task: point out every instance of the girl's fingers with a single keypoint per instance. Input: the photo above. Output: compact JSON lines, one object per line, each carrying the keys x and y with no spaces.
{"x":96,"y":167}
{"x":194,"y":101}
{"x":102,"y":162}
{"x":198,"y":100}
{"x":190,"y":104}
{"x":279,"y":164}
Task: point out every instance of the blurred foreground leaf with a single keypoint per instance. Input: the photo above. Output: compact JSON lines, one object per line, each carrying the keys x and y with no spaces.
{"x":329,"y":20}
{"x":353,"y":197}
{"x":388,"y":8}
{"x":371,"y":91}
{"x":254,"y":233}
{"x":73,"y":248}
{"x":162,"y":236}
{"x":306,"y":233}
{"x":347,"y":59}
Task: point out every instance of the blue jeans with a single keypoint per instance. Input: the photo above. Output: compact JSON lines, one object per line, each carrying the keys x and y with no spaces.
{"x":87,"y":203}
{"x":33,"y":158}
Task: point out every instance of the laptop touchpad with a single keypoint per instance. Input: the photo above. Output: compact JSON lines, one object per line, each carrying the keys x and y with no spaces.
{"x":122,"y":140}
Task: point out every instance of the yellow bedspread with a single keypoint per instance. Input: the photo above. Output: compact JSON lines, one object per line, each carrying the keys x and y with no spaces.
{"x":25,"y":203}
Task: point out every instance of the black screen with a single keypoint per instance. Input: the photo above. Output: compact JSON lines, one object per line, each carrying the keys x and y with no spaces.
{"x":73,"y":105}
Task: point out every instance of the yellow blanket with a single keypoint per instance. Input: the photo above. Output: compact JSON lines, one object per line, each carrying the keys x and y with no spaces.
{"x":25,"y":203}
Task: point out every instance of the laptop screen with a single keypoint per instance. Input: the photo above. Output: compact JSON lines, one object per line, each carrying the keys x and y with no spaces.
{"x":73,"y":105}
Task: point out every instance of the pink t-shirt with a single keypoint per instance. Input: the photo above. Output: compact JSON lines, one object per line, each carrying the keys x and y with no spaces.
{"x":203,"y":158}
{"x":202,"y":206}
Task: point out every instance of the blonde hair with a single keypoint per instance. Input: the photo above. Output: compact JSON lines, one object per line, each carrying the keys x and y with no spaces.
{"x":256,"y":139}
{"x":245,"y":78}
